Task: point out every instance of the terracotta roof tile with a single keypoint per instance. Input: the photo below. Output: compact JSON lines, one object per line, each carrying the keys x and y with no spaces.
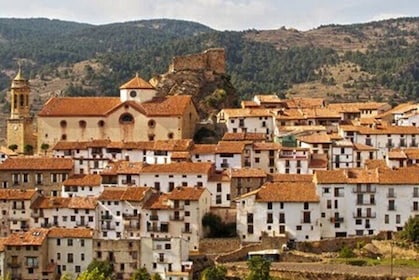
{"x":10,"y":194}
{"x":70,"y":233}
{"x":247,"y":112}
{"x":157,"y":202}
{"x":362,"y":147}
{"x":247,"y":172}
{"x":287,"y":192}
{"x":330,"y":176}
{"x":248,"y":104}
{"x":69,"y":145}
{"x":315,"y":138}
{"x":181,"y":155}
{"x":402,"y":176}
{"x":65,"y":202}
{"x":137,"y":83}
{"x":135,"y":193}
{"x":186,"y":193}
{"x":361,"y":176}
{"x":34,"y":237}
{"x":292,"y":178}
{"x":199,"y":149}
{"x":174,"y":105}
{"x":79,"y":106}
{"x":83,"y":180}
{"x":112,"y":194}
{"x":37,"y":163}
{"x":123,"y":167}
{"x":290,"y":114}
{"x":235,"y":147}
{"x":375,"y":163}
{"x":266,"y":146}
{"x":357,"y":107}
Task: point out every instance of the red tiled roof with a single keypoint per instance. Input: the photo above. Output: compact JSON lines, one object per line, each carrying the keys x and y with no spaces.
{"x":79,"y":106}
{"x":33,"y":237}
{"x":287,"y":192}
{"x":186,"y":193}
{"x":9,"y":194}
{"x":137,"y":83}
{"x":37,"y":163}
{"x":83,"y":180}
{"x":70,"y":233}
{"x":248,"y":172}
{"x":65,"y":202}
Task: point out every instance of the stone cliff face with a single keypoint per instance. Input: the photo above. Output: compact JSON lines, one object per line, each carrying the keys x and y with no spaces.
{"x":202,"y":76}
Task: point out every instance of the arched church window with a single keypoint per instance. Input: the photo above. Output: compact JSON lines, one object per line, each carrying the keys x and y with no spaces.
{"x":101,"y":123}
{"x":82,"y":124}
{"x":126,"y":118}
{"x":63,"y":124}
{"x":151,"y":123}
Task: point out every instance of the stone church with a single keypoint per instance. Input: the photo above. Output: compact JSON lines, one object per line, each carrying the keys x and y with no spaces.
{"x":136,"y":115}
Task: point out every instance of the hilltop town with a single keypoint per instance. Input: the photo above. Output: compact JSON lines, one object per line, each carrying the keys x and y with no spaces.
{"x":122,"y":178}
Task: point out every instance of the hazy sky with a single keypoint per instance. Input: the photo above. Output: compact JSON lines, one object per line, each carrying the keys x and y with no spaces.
{"x":218,"y":14}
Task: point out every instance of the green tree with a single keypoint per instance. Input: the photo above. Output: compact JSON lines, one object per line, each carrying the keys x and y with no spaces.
{"x":141,"y":274}
{"x":45,"y":147}
{"x":66,"y":276}
{"x":13,"y":147}
{"x":93,"y":274}
{"x":156,"y":276}
{"x":104,"y":268}
{"x":259,"y":268}
{"x":218,"y":272}
{"x":411,"y":229}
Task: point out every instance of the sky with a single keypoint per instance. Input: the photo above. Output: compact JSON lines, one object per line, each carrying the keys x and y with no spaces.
{"x":217,"y":14}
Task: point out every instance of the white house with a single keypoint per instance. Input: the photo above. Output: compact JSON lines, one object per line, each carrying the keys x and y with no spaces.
{"x":289,"y":209}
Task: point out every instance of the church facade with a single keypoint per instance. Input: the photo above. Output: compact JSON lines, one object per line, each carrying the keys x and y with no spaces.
{"x":138,"y":114}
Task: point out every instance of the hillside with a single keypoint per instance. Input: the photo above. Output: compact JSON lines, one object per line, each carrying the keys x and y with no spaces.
{"x":377,"y":60}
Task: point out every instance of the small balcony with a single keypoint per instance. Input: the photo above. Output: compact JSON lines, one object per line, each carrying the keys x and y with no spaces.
{"x":132,"y":226}
{"x":364,"y":215}
{"x":154,"y":217}
{"x":106,"y":217}
{"x":176,"y":218}
{"x":14,"y":264}
{"x":82,"y":224}
{"x":364,"y":190}
{"x":131,"y":216}
{"x":107,"y":227}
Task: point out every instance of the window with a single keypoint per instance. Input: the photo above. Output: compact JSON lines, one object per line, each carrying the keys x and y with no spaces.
{"x":391,"y":205}
{"x":269,"y":205}
{"x":306,"y":205}
{"x":282,"y":218}
{"x":306,"y":217}
{"x":126,"y":118}
{"x":398,"y":219}
{"x":70,"y":242}
{"x":133,"y":93}
{"x":167,"y":246}
{"x":170,"y":135}
{"x":269,"y":218}
{"x":58,"y":242}
{"x":70,"y":258}
{"x":101,"y":123}
{"x":218,"y":199}
{"x":386,"y":219}
{"x":151,"y":123}
{"x":82,"y":124}
{"x":298,"y":227}
{"x":82,"y":256}
{"x":77,"y":269}
{"x":329,"y":204}
{"x":64,"y":137}
{"x":250,"y":229}
{"x":218,"y":187}
{"x":250,"y":218}
{"x":326,"y":190}
{"x":63,"y":124}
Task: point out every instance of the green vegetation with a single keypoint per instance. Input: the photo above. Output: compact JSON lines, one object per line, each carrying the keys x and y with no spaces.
{"x":102,"y":268}
{"x":148,"y":46}
{"x":217,"y":272}
{"x":411,"y":230}
{"x":217,"y":228}
{"x":259,"y":269}
{"x":346,"y":252}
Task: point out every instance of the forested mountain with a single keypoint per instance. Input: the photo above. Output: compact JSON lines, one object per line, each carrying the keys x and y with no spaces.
{"x":378,"y":60}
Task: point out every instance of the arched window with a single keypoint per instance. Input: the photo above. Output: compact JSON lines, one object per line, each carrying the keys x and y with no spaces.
{"x":170,"y":135}
{"x":126,"y":118}
{"x":101,"y":123}
{"x":82,"y":124}
{"x":63,"y":124}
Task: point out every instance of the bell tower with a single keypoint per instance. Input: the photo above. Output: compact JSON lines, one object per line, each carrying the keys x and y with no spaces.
{"x":19,"y":125}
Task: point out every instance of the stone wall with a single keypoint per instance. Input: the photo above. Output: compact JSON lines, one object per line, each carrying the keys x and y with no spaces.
{"x":332,"y":245}
{"x":211,"y":59}
{"x":211,"y":246}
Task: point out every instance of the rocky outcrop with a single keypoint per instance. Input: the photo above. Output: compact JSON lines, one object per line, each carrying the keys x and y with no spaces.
{"x":202,"y":76}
